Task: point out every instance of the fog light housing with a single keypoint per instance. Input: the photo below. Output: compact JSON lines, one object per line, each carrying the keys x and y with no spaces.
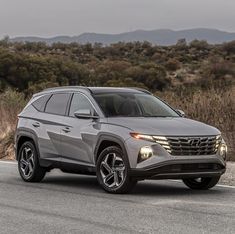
{"x":223,"y":151}
{"x":145,"y":153}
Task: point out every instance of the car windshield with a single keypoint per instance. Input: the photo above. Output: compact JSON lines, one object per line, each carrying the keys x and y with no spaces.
{"x":133,"y":105}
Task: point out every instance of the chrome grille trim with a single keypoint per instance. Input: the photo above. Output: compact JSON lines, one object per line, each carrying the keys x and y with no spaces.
{"x":190,"y":145}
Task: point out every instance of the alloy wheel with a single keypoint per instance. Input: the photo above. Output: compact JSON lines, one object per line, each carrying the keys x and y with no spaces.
{"x":27,"y":162}
{"x":112,"y":170}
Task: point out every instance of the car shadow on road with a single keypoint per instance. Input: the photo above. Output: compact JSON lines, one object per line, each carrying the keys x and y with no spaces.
{"x":169,"y":188}
{"x":76,"y":181}
{"x":146,"y":188}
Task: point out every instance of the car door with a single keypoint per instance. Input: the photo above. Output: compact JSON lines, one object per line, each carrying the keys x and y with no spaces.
{"x":79,"y":134}
{"x":48,"y":124}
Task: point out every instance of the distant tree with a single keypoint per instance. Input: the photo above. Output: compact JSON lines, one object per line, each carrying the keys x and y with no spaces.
{"x":35,"y":46}
{"x":229,"y":47}
{"x":153,"y":76}
{"x":217,"y":73}
{"x":172,"y":64}
{"x":125,"y":82}
{"x":5,"y":41}
{"x":200,"y":45}
{"x":181,"y":43}
{"x":88,"y":47}
{"x":74,"y":72}
{"x":37,"y":87}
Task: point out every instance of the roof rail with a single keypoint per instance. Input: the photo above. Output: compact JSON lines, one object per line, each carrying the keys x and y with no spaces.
{"x":67,"y":87}
{"x":142,"y":90}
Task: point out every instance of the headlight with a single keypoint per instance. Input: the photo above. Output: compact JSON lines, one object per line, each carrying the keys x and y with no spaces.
{"x":145,"y":153}
{"x":141,"y":136}
{"x":161,"y":140}
{"x":223,"y":150}
{"x":148,"y":137}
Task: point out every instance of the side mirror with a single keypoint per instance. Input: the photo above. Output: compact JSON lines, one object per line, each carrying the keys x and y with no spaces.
{"x":85,"y":114}
{"x":181,"y":113}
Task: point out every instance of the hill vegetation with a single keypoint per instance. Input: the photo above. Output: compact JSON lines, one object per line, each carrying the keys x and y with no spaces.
{"x":196,"y":77}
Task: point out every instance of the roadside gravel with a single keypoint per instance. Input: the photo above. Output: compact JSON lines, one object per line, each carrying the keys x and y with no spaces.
{"x":229,"y":177}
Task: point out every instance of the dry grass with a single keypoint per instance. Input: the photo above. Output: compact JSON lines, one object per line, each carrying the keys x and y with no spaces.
{"x":11,"y":103}
{"x":215,"y":107}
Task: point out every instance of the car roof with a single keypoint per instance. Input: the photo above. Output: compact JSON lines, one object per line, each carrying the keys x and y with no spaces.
{"x":97,"y":90}
{"x":93,"y":90}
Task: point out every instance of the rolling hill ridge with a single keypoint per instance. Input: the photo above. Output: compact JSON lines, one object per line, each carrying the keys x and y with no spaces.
{"x":159,"y":37}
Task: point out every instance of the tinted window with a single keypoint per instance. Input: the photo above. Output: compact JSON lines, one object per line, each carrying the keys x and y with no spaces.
{"x":79,"y":102}
{"x":133,"y":105}
{"x":40,"y":103}
{"x":57,"y":104}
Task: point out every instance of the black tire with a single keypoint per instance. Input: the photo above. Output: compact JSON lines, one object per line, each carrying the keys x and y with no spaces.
{"x":127,"y":183}
{"x":36,"y":172}
{"x":203,"y":184}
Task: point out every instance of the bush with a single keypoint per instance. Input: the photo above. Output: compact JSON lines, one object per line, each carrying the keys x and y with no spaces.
{"x":11,"y":103}
{"x":229,"y":47}
{"x":172,"y":65}
{"x":126,"y":82}
{"x":200,"y":45}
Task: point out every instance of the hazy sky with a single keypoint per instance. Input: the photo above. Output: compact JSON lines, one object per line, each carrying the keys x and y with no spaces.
{"x":72,"y":17}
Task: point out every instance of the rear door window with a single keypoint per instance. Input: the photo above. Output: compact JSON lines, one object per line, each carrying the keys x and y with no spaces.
{"x":40,"y":103}
{"x":57,"y":104}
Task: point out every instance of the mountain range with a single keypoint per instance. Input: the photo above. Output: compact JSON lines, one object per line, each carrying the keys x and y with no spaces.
{"x":159,"y":37}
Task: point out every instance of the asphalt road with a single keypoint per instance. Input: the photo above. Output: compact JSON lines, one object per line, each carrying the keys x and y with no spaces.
{"x":65,"y":203}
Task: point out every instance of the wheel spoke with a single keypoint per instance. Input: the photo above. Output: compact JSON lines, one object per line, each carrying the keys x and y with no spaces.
{"x":106,"y":166}
{"x":27,"y":153}
{"x":114,"y":160}
{"x":27,"y":150}
{"x":121,"y":172}
{"x":31,"y":160}
{"x":30,"y":169}
{"x":108,"y":177}
{"x":26,"y":170}
{"x":23,"y":162}
{"x":120,"y":168}
{"x":116,"y":180}
{"x":23,"y":170}
{"x":23,"y":154}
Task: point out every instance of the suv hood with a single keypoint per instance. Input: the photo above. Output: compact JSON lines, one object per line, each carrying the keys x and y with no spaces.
{"x":166,"y":126}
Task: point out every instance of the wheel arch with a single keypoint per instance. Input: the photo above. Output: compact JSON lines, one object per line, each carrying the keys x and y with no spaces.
{"x":106,"y":140}
{"x":23,"y":136}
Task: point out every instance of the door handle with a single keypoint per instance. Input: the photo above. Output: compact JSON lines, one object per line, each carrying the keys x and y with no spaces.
{"x":66,"y":129}
{"x":36,"y":124}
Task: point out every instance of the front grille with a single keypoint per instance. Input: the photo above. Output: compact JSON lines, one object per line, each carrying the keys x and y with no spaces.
{"x":196,"y":145}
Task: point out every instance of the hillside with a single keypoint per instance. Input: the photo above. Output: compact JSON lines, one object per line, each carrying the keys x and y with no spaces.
{"x":158,"y":37}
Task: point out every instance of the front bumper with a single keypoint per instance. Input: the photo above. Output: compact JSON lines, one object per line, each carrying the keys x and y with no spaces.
{"x":180,"y":169}
{"x":163,"y":165}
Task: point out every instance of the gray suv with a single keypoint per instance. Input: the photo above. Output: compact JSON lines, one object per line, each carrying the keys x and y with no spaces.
{"x":121,"y":135}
